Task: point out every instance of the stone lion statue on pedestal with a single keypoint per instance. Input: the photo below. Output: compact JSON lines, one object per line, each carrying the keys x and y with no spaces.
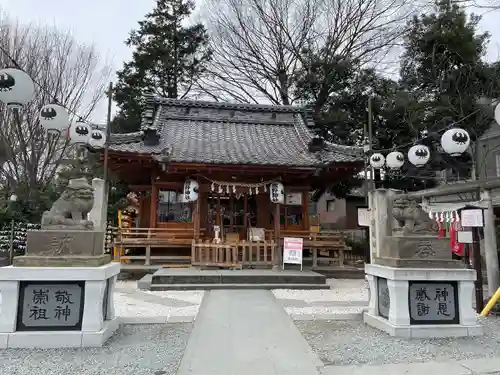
{"x":412,"y":219}
{"x":71,"y":209}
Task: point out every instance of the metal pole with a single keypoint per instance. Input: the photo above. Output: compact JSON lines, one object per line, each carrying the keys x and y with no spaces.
{"x":11,"y":242}
{"x":476,"y":261}
{"x":367,"y":139}
{"x":108,"y":132}
{"x":370,"y":139}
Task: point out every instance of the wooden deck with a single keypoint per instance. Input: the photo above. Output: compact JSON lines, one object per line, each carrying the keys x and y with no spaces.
{"x":186,"y":250}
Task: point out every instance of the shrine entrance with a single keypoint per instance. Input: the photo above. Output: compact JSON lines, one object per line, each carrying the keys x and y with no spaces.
{"x":234,"y":214}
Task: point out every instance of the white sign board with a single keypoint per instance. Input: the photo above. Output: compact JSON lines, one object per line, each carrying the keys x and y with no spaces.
{"x":464,"y":237}
{"x":294,"y":199}
{"x":363,"y":217}
{"x":472,"y":218}
{"x":292,"y":251}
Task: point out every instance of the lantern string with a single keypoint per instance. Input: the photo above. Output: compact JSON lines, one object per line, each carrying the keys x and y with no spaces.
{"x":240,"y":184}
{"x":52,"y":96}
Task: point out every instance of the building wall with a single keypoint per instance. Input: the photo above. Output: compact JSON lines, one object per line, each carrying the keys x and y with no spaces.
{"x":344,"y":214}
{"x":489,"y":152}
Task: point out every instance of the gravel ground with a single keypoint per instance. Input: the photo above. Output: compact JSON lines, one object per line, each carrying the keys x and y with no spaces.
{"x":346,"y":297}
{"x":353,"y":343}
{"x":131,"y":302}
{"x":133,"y":350}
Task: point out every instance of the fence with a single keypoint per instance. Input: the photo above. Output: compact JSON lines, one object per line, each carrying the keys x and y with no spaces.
{"x":355,"y":235}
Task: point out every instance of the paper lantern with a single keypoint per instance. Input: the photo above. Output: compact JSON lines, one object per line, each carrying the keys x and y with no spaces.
{"x":97,"y":139}
{"x":455,"y":141}
{"x":79,"y":133}
{"x":191,"y":189}
{"x":395,"y":160}
{"x":16,"y":87}
{"x":277,"y":192}
{"x":419,"y":155}
{"x":54,"y":118}
{"x":497,"y":113}
{"x":377,"y":160}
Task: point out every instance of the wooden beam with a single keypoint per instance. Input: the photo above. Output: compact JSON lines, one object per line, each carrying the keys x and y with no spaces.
{"x":277,"y":254}
{"x":305,"y":210}
{"x":245,"y":215}
{"x":153,"y":213}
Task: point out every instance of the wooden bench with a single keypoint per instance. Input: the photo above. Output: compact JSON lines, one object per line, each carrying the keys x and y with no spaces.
{"x":326,"y":242}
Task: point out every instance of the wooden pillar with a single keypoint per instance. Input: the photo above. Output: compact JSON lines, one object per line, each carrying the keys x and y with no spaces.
{"x":154,"y":206}
{"x":196,"y":217}
{"x":305,"y":210}
{"x":245,"y":216}
{"x":217,"y":213}
{"x":231,"y":218}
{"x":277,"y":254}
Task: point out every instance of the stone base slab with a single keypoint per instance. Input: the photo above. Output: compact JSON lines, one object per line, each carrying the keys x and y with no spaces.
{"x":422,"y":331}
{"x":12,"y":273}
{"x":392,"y":313}
{"x":63,"y":339}
{"x":420,"y":274}
{"x":418,"y":263}
{"x":97,"y":322}
{"x":64,"y":242}
{"x":61,"y":261}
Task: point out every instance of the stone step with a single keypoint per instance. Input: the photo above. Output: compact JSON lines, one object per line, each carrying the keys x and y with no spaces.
{"x":195,"y":276}
{"x":164,"y":287}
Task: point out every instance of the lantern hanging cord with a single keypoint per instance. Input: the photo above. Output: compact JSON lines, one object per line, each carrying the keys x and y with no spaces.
{"x":428,"y":136}
{"x":239,"y":184}
{"x":54,"y":98}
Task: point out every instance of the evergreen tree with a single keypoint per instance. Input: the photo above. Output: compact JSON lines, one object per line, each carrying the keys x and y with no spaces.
{"x":168,"y":58}
{"x":443,"y":67}
{"x":442,"y":77}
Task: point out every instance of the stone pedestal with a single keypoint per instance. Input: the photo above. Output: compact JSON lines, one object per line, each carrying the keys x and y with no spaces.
{"x":44,"y":307}
{"x":417,"y":251}
{"x":421,"y":302}
{"x":64,"y":248}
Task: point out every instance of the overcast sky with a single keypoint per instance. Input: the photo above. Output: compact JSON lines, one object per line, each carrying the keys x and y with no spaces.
{"x":108,"y":22}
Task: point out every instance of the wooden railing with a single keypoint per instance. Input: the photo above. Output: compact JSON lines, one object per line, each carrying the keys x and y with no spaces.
{"x":152,"y":238}
{"x":233,"y":255}
{"x":330,"y":244}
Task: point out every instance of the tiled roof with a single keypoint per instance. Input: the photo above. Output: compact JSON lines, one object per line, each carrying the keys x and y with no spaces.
{"x":224,"y":133}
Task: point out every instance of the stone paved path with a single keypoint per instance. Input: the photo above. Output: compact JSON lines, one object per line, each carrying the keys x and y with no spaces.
{"x":246,"y":332}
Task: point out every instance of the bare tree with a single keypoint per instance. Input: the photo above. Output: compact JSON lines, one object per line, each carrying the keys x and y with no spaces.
{"x":63,"y":70}
{"x":261,"y":45}
{"x":480,"y":5}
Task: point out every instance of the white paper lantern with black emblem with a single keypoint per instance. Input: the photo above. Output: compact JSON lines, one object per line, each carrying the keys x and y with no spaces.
{"x":191,"y":189}
{"x":79,"y":133}
{"x":497,"y":113}
{"x":377,"y":160}
{"x":395,"y":160}
{"x":455,"y":141}
{"x":97,"y":139}
{"x":277,"y":192}
{"x":419,"y":155}
{"x":54,"y":118}
{"x":16,"y":87}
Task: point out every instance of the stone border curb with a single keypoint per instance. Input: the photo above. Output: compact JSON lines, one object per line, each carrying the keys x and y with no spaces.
{"x":339,"y":316}
{"x":480,"y":366}
{"x":156,"y":319}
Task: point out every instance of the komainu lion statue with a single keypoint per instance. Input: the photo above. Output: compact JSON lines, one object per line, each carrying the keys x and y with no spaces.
{"x":72,"y":207}
{"x":412,"y":219}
